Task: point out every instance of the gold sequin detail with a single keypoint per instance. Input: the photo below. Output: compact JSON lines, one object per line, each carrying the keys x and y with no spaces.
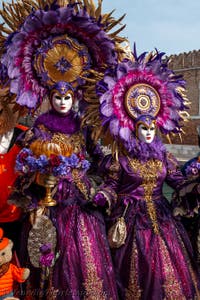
{"x":171,"y":286}
{"x":192,"y":273}
{"x":72,"y":144}
{"x":133,"y":291}
{"x":68,"y":144}
{"x":80,"y":184}
{"x":149,"y":172}
{"x":93,"y":284}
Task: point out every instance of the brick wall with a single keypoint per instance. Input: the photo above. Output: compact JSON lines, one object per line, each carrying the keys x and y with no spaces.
{"x":188,"y":64}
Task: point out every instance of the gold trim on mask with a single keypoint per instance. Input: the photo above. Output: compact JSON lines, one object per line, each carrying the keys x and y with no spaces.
{"x":145,"y":124}
{"x":55,"y":91}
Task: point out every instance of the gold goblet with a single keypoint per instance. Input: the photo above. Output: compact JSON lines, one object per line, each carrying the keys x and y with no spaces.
{"x":48,"y":200}
{"x":48,"y":148}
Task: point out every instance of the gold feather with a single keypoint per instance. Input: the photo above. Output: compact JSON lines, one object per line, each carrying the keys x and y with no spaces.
{"x":98,"y":10}
{"x":63,"y":3}
{"x":86,"y":4}
{"x":169,"y":139}
{"x":106,"y":17}
{"x":92,"y":9}
{"x":113,"y":34}
{"x":180,"y":137}
{"x":114,"y":23}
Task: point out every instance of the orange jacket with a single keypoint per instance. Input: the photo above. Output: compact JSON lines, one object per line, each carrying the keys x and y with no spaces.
{"x":6,"y":281}
{"x":8,"y":213}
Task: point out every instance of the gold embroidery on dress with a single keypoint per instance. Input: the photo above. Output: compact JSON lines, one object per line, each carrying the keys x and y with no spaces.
{"x":171,"y":285}
{"x":133,"y":291}
{"x":192,"y":273}
{"x":93,"y":284}
{"x":149,"y":172}
{"x":68,"y":144}
{"x":80,"y":184}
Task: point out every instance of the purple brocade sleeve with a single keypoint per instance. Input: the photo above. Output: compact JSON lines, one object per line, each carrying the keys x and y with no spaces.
{"x":111,"y":172}
{"x":174,"y":178}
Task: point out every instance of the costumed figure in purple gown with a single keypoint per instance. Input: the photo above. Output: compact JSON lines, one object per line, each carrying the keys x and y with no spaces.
{"x":151,"y":251}
{"x":57,"y":50}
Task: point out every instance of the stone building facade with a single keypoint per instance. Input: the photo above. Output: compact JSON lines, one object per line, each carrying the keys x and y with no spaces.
{"x":188,"y":64}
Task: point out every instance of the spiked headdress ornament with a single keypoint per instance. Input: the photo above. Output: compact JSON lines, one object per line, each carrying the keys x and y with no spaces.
{"x":44,"y":42}
{"x":138,"y":87}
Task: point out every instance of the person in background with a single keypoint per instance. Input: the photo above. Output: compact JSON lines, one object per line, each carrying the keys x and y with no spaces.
{"x":190,"y":213}
{"x":10,"y":215}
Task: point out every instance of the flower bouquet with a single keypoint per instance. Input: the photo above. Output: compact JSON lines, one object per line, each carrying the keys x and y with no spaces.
{"x":45,"y":157}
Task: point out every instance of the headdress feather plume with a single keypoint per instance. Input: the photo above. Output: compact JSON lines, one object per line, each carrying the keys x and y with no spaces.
{"x":140,"y":86}
{"x":43,"y":41}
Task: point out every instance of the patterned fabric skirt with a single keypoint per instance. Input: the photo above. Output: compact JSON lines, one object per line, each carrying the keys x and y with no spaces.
{"x":84,"y":267}
{"x":156,"y":265}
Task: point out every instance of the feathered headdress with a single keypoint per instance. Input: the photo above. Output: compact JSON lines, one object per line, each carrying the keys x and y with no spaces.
{"x":143,"y":85}
{"x":44,"y":42}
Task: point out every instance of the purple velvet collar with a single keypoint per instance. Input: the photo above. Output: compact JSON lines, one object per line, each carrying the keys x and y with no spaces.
{"x":56,"y":122}
{"x":144,"y":151}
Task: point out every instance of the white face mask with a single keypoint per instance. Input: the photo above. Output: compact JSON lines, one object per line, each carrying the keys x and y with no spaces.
{"x":62,"y":104}
{"x":146,"y":133}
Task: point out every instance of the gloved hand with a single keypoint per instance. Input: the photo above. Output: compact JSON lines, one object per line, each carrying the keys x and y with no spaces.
{"x":99,"y":199}
{"x":97,"y":204}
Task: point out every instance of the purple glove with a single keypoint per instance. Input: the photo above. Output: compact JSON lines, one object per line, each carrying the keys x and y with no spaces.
{"x":99,"y":199}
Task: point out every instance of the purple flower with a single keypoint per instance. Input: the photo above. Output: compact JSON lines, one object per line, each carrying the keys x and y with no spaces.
{"x":32,"y":163}
{"x":47,"y":256}
{"x":56,"y":165}
{"x":73,"y":159}
{"x":85,"y":164}
{"x":23,"y":154}
{"x":193,"y":169}
{"x":63,"y":65}
{"x":42,"y":163}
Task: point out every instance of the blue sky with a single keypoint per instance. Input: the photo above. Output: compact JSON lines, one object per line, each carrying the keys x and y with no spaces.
{"x":171,"y":26}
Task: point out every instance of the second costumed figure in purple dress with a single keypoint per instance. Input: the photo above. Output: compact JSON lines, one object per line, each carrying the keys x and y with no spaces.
{"x":155,"y":260}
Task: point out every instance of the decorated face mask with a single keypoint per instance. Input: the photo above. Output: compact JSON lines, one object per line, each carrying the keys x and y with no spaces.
{"x":62,"y":104}
{"x":146,"y":133}
{"x":62,"y":97}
